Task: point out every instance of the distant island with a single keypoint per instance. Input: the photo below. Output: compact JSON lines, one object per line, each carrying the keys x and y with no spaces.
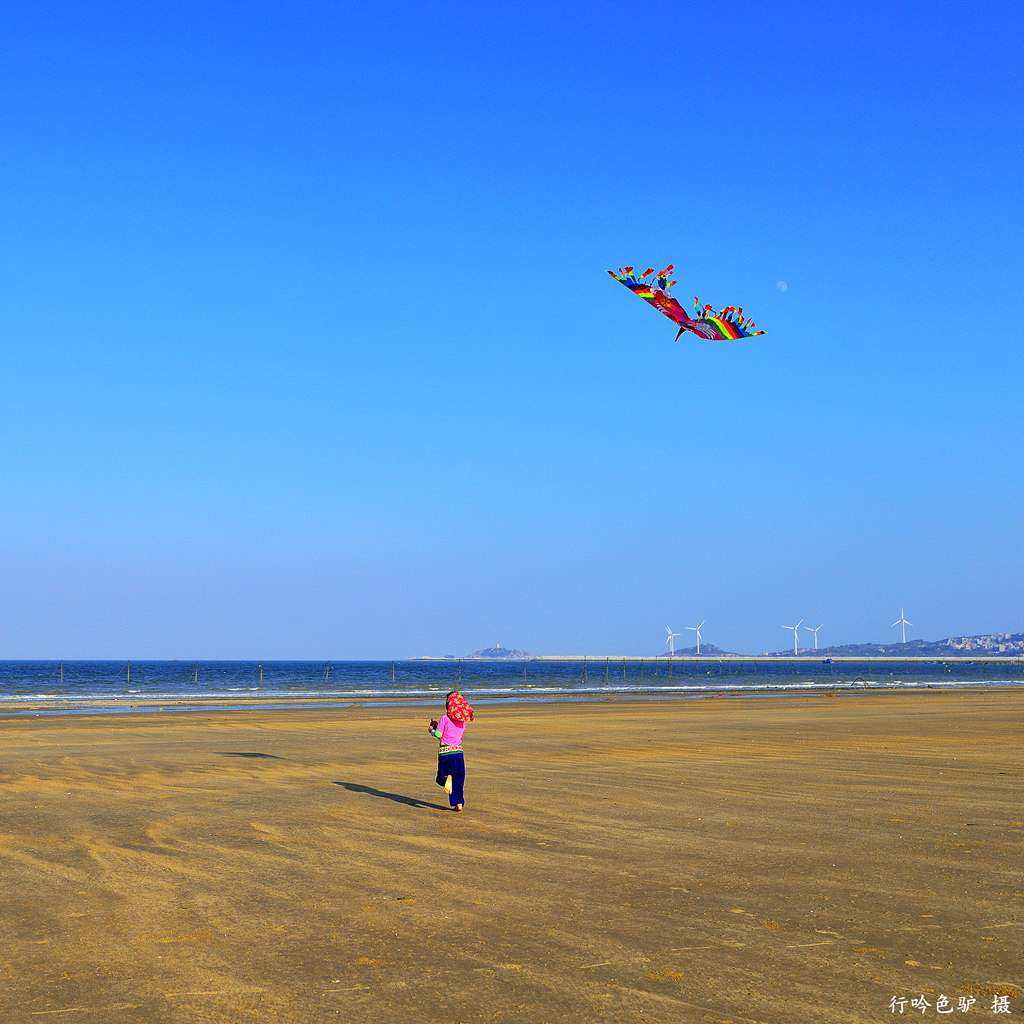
{"x":988,"y":644}
{"x":499,"y":653}
{"x":1006,"y":644}
{"x":495,"y":653}
{"x":992,"y":644}
{"x":706,"y":650}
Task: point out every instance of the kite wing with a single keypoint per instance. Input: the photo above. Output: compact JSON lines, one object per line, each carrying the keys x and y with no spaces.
{"x":725,"y":325}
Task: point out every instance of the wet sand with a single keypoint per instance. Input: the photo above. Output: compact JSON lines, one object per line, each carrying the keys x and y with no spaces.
{"x":731,"y":860}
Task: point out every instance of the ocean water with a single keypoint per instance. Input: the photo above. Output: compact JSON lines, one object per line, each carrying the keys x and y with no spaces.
{"x":58,"y":685}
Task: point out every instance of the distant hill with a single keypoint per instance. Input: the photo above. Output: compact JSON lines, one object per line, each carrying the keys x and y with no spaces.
{"x":499,"y":653}
{"x":706,"y":650}
{"x":1000,"y":644}
{"x":988,"y":644}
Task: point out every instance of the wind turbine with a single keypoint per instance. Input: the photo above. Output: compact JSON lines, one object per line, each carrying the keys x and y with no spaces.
{"x":696,"y":629}
{"x":671,"y":641}
{"x":795,"y":628}
{"x":814,"y":630}
{"x":901,"y":621}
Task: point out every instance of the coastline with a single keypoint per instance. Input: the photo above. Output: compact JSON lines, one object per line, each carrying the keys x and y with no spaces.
{"x":106,"y":688}
{"x":140,"y":704}
{"x":169,"y":704}
{"x":700,"y":860}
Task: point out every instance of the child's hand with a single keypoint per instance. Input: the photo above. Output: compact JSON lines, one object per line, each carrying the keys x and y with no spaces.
{"x":433,"y":724}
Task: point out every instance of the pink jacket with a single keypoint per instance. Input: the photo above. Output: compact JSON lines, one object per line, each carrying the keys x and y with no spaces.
{"x":450,"y":731}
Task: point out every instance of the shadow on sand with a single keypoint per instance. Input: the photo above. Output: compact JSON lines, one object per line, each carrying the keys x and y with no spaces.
{"x":398,"y":798}
{"x":247,"y":753}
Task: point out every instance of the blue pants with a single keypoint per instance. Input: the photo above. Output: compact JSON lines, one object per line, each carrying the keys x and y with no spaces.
{"x":455,"y":766}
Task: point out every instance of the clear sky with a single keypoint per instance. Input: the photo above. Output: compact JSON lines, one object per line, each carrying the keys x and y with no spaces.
{"x":308,"y":349}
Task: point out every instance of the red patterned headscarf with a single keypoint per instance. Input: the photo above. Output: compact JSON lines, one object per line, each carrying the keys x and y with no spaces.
{"x":458,"y":707}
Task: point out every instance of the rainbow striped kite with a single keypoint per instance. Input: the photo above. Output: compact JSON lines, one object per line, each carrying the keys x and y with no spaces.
{"x":725,"y":325}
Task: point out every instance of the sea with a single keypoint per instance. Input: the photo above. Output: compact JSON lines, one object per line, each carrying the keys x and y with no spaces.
{"x":60,"y":687}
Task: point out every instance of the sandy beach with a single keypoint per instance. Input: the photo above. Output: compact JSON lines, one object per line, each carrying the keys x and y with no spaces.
{"x":728,"y":860}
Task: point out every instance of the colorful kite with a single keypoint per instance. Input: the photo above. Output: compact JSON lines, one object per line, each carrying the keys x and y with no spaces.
{"x":725,"y":325}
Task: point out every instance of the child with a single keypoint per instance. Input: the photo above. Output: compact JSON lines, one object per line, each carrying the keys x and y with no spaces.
{"x":451,"y":766}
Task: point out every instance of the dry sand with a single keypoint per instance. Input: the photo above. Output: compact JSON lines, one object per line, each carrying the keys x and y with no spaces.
{"x":730,"y":860}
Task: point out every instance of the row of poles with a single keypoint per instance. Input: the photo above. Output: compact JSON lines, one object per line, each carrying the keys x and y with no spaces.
{"x":583,"y":677}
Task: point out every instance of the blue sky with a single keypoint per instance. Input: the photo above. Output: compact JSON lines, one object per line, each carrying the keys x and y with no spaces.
{"x":309,"y":349}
